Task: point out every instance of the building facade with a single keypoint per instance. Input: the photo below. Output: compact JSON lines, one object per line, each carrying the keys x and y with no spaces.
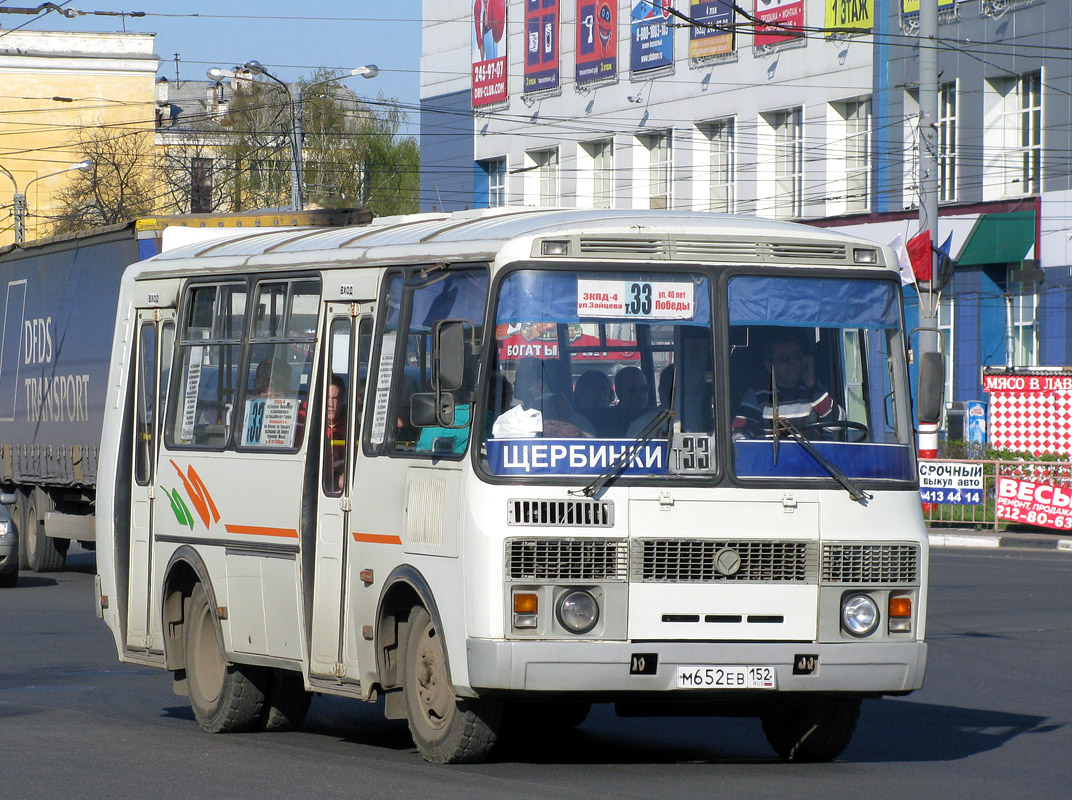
{"x":53,"y":83}
{"x":799,"y":109}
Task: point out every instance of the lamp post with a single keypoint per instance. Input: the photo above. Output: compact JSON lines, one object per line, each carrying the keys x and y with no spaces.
{"x":18,"y":199}
{"x":294,"y":100}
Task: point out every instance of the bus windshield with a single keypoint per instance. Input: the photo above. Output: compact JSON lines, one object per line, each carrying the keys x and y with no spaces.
{"x":584,"y":362}
{"x":823,"y":355}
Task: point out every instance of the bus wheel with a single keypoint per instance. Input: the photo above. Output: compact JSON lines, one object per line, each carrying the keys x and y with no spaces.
{"x":43,"y":554}
{"x":447,"y":729}
{"x":802,"y":728}
{"x":225,"y":697}
{"x":287,"y":702}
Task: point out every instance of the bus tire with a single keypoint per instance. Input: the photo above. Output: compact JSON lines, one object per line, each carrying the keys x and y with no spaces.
{"x":287,"y":702}
{"x":811,"y":728}
{"x":225,"y":698}
{"x":447,"y":729}
{"x":43,"y":553}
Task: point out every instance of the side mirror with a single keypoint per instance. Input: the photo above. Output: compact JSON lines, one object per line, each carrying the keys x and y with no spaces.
{"x":429,"y":409}
{"x":930,"y":389}
{"x":448,"y":352}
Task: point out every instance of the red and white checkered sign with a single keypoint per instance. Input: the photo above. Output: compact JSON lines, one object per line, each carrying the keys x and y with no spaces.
{"x":1036,"y":422}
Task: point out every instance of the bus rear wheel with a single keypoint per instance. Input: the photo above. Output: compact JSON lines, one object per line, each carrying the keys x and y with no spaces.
{"x":447,"y":729}
{"x":225,"y":697}
{"x":811,"y":728}
{"x":287,"y":702}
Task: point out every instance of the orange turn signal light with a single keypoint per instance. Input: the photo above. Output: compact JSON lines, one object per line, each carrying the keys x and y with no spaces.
{"x":525,"y":603}
{"x":900,"y":606}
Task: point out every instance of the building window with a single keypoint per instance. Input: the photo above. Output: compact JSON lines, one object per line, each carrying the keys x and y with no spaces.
{"x":200,"y":185}
{"x":788,"y":162}
{"x":544,"y":169}
{"x":496,"y":172}
{"x":1024,"y":313}
{"x":1019,"y":101}
{"x":857,"y":129}
{"x":945,"y":334}
{"x":660,"y":168}
{"x":947,"y":142}
{"x":602,"y":155}
{"x":722,"y":165}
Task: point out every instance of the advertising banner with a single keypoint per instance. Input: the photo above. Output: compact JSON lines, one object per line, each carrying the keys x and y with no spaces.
{"x":950,"y":482}
{"x":1027,"y":383}
{"x":851,"y":14}
{"x":541,"y":45}
{"x":489,"y":52}
{"x":1034,"y":502}
{"x":705,"y":42}
{"x":652,"y":37}
{"x":597,"y":41}
{"x":786,"y":13}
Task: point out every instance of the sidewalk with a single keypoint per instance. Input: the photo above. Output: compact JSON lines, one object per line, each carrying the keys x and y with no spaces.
{"x":956,"y":537}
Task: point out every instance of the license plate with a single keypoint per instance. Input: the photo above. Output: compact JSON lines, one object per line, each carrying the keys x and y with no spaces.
{"x":709,"y":676}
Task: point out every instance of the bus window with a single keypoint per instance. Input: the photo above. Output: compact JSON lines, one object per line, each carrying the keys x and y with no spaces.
{"x":457,"y":294}
{"x":597,"y":356}
{"x":816,"y":353}
{"x":281,"y":346}
{"x":209,"y":351}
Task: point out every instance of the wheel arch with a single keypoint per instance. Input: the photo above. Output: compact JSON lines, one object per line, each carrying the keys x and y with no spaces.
{"x":184,"y":570}
{"x":404,"y":589}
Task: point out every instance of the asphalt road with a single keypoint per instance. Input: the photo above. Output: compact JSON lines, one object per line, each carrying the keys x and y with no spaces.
{"x":992,"y":720}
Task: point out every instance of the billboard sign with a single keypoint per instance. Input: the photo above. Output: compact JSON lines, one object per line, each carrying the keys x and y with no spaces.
{"x":715,"y":36}
{"x":489,"y":52}
{"x":652,"y":38}
{"x":779,"y":15}
{"x":541,"y":45}
{"x":597,"y":41}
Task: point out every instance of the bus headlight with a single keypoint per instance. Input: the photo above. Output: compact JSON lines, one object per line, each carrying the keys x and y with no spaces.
{"x":577,"y":611}
{"x":859,"y":615}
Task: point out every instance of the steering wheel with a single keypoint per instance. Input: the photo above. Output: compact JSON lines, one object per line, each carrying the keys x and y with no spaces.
{"x":841,"y":426}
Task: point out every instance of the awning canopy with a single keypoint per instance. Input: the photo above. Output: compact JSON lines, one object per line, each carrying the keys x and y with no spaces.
{"x":999,"y":238}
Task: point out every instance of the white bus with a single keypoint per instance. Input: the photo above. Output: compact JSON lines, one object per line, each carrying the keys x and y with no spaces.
{"x":490,"y":468}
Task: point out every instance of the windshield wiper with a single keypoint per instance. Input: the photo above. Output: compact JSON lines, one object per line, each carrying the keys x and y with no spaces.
{"x":855,"y":492}
{"x":774,"y":414}
{"x":616,"y":467}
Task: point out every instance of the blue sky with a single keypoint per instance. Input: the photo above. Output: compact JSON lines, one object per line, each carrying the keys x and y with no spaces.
{"x":291,"y":39}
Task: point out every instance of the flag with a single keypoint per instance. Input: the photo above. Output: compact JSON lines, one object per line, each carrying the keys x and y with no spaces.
{"x":919,"y":253}
{"x":907,"y":276}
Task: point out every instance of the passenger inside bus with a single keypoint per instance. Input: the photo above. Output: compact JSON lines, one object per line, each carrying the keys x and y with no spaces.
{"x":802,"y":400}
{"x":593,"y":395}
{"x":335,"y":431}
{"x":542,"y":403}
{"x":666,"y":389}
{"x":633,"y":398}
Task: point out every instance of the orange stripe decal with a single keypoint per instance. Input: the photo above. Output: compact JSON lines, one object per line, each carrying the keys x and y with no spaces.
{"x":376,"y":538}
{"x":257,"y":530}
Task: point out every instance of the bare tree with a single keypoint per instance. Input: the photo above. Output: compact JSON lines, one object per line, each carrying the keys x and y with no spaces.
{"x":122,"y":185}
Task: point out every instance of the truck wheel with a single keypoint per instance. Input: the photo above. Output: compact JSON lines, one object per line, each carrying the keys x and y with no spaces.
{"x":802,"y":728}
{"x":225,"y":697}
{"x":18,"y":515}
{"x":447,"y":729}
{"x":43,"y":554}
{"x":287,"y":702}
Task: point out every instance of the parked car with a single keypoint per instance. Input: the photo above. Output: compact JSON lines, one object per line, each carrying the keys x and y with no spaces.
{"x":9,"y":544}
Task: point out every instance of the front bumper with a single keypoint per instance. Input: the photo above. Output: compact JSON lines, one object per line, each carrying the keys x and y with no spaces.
{"x":9,"y":556}
{"x":603,"y":667}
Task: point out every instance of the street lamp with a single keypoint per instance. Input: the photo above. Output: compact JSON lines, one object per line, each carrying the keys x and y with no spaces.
{"x":18,"y":199}
{"x":294,"y":99}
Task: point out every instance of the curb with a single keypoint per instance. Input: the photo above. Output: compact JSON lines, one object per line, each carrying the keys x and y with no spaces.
{"x":979,"y":541}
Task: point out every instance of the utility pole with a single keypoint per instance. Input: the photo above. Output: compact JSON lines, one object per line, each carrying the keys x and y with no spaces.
{"x":927,"y":45}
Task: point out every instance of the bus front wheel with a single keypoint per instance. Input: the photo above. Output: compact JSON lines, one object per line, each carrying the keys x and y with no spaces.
{"x":447,"y":729}
{"x":811,"y":728}
{"x":225,"y":697}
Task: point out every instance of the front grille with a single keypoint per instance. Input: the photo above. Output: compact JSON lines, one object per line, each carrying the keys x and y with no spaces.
{"x":561,"y":513}
{"x":807,"y":251}
{"x":870,"y":563}
{"x":567,"y":559}
{"x":705,"y":560}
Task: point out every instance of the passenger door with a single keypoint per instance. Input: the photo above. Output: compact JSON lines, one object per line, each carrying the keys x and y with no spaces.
{"x":152,"y":360}
{"x":349,"y":332}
